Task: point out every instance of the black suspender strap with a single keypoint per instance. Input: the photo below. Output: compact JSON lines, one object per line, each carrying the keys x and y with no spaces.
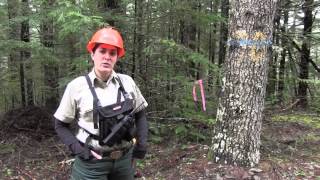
{"x":119,"y":96}
{"x":96,"y":102}
{"x":121,"y":88}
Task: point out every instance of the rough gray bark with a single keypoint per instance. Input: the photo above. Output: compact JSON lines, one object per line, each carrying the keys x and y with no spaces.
{"x":236,"y":138}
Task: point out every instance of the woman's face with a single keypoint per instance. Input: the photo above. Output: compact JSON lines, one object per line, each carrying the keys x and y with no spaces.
{"x":104,"y":58}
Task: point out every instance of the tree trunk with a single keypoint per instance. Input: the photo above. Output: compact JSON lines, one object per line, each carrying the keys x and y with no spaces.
{"x":223,"y":31}
{"x":22,"y":83}
{"x":25,"y":57}
{"x":147,"y":71}
{"x":107,"y":6}
{"x":50,"y":67}
{"x":293,"y":91}
{"x":14,"y":56}
{"x":190,"y":40}
{"x":202,"y":69}
{"x":140,"y":39}
{"x":223,"y":39}
{"x":192,"y":32}
{"x":110,"y":10}
{"x":236,"y":138}
{"x":182,"y":32}
{"x":273,"y":64}
{"x":305,"y":54}
{"x":292,"y":60}
{"x":283,"y":53}
{"x":112,"y":5}
{"x":212,"y":40}
{"x":213,"y":32}
{"x":137,"y":38}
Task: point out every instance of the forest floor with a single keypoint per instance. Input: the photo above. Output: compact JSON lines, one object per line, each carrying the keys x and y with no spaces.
{"x":29,"y":149}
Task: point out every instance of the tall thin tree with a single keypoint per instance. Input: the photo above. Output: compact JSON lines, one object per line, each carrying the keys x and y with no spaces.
{"x":305,"y":54}
{"x":273,"y":64}
{"x":26,"y":65}
{"x":137,"y":37}
{"x":212,"y":39}
{"x":283,"y":52}
{"x":14,"y":32}
{"x":50,"y":67}
{"x":224,"y":6}
{"x":223,"y":31}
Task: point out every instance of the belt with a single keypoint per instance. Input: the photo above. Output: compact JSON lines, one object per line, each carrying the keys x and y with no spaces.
{"x":113,"y":154}
{"x":116,"y":154}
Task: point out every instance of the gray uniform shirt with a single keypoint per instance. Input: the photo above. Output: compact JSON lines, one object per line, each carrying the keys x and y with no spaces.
{"x":77,"y":102}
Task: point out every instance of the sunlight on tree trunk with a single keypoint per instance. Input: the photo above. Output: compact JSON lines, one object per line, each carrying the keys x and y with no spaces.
{"x":236,"y":138}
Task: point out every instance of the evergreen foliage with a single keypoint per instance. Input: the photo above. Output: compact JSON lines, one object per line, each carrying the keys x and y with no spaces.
{"x":167,"y":49}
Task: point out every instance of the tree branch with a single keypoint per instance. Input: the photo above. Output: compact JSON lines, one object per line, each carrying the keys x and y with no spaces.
{"x":295,"y":45}
{"x":309,"y":60}
{"x":314,"y":65}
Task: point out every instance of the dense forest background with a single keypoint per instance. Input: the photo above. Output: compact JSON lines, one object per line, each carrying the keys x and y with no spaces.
{"x":169,"y":45}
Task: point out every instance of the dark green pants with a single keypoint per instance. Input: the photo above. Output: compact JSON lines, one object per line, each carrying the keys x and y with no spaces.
{"x":104,"y":169}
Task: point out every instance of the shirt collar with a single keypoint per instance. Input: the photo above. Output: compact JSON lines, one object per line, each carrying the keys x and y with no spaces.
{"x":97,"y":82}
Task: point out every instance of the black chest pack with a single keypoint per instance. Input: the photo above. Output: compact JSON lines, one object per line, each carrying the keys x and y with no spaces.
{"x":115,"y":122}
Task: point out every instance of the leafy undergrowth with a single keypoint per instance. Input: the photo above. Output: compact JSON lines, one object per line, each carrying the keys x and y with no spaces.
{"x":290,"y":150}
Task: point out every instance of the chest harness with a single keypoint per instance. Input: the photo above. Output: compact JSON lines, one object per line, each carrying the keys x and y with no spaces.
{"x":107,"y":117}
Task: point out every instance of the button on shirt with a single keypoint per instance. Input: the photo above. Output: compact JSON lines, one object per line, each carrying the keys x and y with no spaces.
{"x":77,"y":102}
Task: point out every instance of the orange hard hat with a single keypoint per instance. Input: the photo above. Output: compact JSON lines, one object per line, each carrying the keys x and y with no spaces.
{"x":108,"y":36}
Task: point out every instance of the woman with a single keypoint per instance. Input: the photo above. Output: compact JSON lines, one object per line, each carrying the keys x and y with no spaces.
{"x":98,"y":102}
